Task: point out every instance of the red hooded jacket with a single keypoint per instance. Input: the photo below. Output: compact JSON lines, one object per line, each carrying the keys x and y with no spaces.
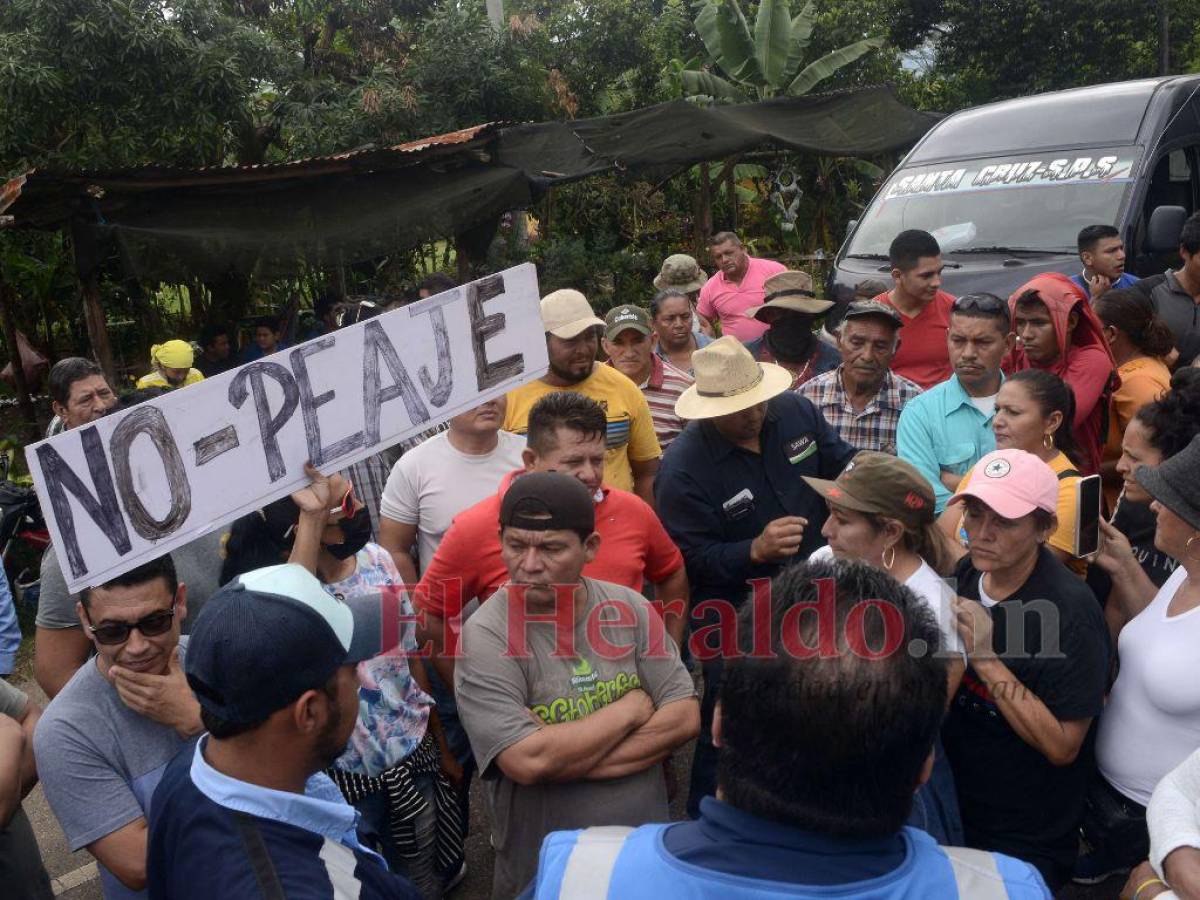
{"x":1084,"y":361}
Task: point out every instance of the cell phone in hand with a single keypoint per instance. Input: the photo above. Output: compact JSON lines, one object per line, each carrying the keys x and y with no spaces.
{"x":1087,"y":515}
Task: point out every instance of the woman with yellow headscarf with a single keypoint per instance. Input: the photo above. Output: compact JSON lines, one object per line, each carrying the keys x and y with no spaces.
{"x":172,"y":363}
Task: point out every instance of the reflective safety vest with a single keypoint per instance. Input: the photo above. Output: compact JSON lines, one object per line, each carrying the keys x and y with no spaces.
{"x":615,"y":863}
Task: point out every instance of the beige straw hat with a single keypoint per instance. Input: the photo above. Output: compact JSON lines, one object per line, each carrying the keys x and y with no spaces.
{"x":728,"y":380}
{"x":792,"y":291}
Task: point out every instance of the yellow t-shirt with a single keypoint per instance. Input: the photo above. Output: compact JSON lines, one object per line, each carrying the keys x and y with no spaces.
{"x":1064,"y":536}
{"x":630,"y":429}
{"x":155,"y":379}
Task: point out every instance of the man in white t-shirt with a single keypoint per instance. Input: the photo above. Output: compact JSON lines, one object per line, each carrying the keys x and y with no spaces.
{"x":441,"y":477}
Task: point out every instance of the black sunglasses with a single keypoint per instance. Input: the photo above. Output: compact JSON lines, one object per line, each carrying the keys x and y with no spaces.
{"x":985,"y":303}
{"x":118,"y":632}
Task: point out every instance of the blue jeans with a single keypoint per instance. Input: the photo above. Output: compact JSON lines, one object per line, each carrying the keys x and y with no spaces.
{"x":10,"y":628}
{"x":935,"y":806}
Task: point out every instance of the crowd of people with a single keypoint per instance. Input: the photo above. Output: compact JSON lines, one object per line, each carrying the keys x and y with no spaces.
{"x":832,"y":546}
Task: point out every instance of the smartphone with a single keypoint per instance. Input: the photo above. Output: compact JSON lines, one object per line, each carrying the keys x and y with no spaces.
{"x":1087,"y":515}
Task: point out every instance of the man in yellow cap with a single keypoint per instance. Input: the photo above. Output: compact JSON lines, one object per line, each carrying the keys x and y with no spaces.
{"x":172,"y":363}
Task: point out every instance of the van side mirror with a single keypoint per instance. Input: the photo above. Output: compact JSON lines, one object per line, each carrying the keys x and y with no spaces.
{"x":850,"y":226}
{"x":1162,"y":234}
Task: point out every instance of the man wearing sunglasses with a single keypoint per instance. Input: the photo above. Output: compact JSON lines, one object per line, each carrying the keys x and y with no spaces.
{"x":104,"y":741}
{"x":948,"y":429}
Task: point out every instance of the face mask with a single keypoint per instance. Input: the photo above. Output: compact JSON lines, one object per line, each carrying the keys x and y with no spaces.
{"x":356,"y":531}
{"x":791,"y":338}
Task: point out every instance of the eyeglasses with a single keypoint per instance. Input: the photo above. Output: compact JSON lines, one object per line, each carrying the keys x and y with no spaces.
{"x":985,"y":303}
{"x":153,"y":625}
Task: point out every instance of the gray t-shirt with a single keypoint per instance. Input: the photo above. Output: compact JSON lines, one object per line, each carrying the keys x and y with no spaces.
{"x":197,"y":564}
{"x":496,"y":693}
{"x":100,"y":762}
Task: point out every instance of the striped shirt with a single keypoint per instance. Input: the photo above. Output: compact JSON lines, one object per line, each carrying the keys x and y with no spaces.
{"x":874,"y":428}
{"x":661,"y":390}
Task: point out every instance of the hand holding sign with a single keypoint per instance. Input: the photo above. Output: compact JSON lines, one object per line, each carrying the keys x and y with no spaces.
{"x":132,"y":486}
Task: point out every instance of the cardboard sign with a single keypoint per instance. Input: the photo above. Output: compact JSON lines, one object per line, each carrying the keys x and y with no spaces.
{"x":129,"y":487}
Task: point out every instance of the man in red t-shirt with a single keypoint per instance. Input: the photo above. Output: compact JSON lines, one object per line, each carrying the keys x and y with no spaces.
{"x":566,"y":434}
{"x":916,"y":262}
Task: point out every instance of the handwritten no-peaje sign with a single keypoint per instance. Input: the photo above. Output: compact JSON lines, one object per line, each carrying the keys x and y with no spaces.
{"x":135,"y":485}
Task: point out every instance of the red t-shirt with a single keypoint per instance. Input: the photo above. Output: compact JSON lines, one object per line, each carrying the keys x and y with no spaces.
{"x":923,"y":356}
{"x":634,"y":548}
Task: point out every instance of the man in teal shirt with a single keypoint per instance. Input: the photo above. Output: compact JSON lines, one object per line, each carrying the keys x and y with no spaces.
{"x":944,"y":431}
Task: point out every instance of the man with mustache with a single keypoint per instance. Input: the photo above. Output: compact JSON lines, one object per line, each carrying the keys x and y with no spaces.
{"x":104,"y":742}
{"x":573,"y":331}
{"x":862,"y":398}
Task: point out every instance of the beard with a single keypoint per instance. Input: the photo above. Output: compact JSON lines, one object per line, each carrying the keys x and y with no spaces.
{"x":329,"y":745}
{"x":570,"y":377}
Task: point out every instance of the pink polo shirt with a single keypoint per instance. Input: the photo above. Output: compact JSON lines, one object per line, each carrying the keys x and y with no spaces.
{"x":728,"y":301}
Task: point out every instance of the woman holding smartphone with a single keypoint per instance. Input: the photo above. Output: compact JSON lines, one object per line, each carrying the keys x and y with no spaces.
{"x":1152,"y":720}
{"x":1037,"y":666}
{"x":1034,"y":411}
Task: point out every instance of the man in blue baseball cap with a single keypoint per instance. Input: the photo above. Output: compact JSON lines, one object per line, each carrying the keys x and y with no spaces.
{"x":249,"y":811}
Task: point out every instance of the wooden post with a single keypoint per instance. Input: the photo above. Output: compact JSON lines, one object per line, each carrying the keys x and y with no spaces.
{"x":8,"y":321}
{"x":1164,"y":39}
{"x":89,"y":289}
{"x":97,"y":328}
{"x":703,"y":210}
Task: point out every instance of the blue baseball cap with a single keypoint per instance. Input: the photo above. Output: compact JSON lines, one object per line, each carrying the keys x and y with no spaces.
{"x":270,"y":635}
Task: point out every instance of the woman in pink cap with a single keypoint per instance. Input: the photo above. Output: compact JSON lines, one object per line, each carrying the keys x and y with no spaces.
{"x":1037,"y":653}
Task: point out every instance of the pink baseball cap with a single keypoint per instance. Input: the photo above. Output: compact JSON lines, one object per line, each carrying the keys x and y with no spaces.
{"x":1013,"y":483}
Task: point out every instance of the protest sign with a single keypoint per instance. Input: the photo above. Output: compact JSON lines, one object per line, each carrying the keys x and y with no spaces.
{"x":136,"y":484}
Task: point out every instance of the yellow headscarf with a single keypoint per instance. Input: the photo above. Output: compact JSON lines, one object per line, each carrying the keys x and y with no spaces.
{"x":174,"y":354}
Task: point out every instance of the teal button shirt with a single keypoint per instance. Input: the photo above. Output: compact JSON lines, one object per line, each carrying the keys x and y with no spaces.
{"x":942,"y":430}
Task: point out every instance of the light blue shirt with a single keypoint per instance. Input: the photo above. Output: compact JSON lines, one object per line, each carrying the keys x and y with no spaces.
{"x":942,"y":430}
{"x":321,"y":809}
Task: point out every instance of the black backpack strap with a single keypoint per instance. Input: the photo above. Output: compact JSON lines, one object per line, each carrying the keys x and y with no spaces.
{"x":1069,"y":473}
{"x":259,"y":856}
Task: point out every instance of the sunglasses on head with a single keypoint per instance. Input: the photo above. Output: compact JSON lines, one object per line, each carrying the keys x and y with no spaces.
{"x":985,"y":303}
{"x":153,"y":625}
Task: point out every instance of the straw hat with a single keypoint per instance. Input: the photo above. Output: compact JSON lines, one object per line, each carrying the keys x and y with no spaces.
{"x":681,"y":272}
{"x":791,"y":291}
{"x":567,"y":313}
{"x":728,"y":380}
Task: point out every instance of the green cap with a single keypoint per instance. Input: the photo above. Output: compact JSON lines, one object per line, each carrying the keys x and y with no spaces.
{"x":880,"y":484}
{"x":628,"y":316}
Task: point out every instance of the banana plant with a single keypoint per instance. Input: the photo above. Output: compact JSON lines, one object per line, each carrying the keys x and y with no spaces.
{"x":765,"y":62}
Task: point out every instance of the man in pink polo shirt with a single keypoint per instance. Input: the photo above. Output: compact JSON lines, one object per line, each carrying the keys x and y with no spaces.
{"x":737,"y":286}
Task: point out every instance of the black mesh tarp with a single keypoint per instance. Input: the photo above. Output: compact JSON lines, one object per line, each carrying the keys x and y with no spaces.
{"x":269,"y":221}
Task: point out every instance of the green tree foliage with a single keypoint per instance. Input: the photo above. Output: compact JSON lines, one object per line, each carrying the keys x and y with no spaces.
{"x":984,"y":50}
{"x":108,"y":83}
{"x":767,"y":61}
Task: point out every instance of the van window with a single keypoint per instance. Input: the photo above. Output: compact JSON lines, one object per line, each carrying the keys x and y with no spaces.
{"x":1036,"y":203}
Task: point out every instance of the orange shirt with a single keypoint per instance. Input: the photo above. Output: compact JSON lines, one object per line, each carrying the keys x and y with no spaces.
{"x":923,"y":356}
{"x":634,"y":548}
{"x":1143,"y":380}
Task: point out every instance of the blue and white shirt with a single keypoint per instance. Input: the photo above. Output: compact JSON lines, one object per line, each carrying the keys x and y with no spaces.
{"x":214,"y":836}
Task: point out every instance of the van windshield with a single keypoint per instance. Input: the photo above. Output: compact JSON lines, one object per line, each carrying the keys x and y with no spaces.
{"x":1036,"y":203}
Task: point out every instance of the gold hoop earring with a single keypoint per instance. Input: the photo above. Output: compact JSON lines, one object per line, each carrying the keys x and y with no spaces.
{"x":888,"y":562}
{"x":1187,"y":548}
{"x":1048,"y":441}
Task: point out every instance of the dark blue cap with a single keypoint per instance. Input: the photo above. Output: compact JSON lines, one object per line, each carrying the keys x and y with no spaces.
{"x":270,"y":635}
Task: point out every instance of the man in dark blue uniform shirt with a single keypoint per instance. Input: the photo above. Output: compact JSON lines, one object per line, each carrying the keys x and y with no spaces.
{"x":731,"y":495}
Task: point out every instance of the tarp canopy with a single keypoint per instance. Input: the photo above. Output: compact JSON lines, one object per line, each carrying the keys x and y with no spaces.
{"x":270,"y":220}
